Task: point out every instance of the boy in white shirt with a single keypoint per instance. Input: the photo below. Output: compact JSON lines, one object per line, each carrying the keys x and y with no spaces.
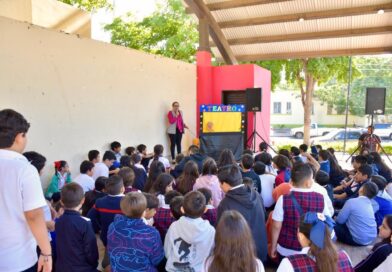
{"x":85,"y":178}
{"x":102,"y":168}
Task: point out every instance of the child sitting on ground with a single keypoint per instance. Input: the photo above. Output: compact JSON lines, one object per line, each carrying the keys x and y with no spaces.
{"x":175,"y":207}
{"x":282,"y":164}
{"x":92,"y":196}
{"x":76,"y":245}
{"x":133,"y":245}
{"x":380,"y":250}
{"x":136,"y":160}
{"x":85,"y":179}
{"x":103,"y":212}
{"x":130,"y":150}
{"x":102,"y":168}
{"x":142,"y":150}
{"x":290,"y":208}
{"x":163,"y":218}
{"x":190,"y":239}
{"x":319,"y":253}
{"x":355,"y":224}
{"x":162,"y":185}
{"x":322,"y":178}
{"x":211,"y":212}
{"x":267,"y":184}
{"x":61,"y":177}
{"x":128,"y":177}
{"x":151,"y":210}
{"x":247,"y":162}
{"x":382,"y":203}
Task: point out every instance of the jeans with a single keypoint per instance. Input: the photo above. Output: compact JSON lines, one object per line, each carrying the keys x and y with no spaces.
{"x":343,"y":234}
{"x":175,"y":140}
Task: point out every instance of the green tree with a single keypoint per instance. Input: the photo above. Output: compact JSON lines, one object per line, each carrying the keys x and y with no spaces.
{"x":169,"y":32}
{"x":88,"y":5}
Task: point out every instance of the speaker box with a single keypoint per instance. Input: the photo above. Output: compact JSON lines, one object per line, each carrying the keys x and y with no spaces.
{"x":375,"y":101}
{"x":253,"y":99}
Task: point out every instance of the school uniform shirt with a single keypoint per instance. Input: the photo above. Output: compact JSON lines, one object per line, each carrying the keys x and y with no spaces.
{"x":140,"y":166}
{"x":375,"y":258}
{"x":210,"y":182}
{"x":254,"y":177}
{"x":302,"y":262}
{"x":353,"y":190}
{"x":382,"y":206}
{"x":283,"y":176}
{"x":133,"y":245}
{"x":76,"y":245}
{"x":100,"y":170}
{"x":325,"y":166}
{"x":267,"y":187}
{"x":358,"y":215}
{"x":210,"y":215}
{"x":163,"y":160}
{"x":161,"y":199}
{"x":188,"y":243}
{"x":20,"y":191}
{"x":140,"y":178}
{"x":86,"y":182}
{"x":163,"y":220}
{"x":313,"y":202}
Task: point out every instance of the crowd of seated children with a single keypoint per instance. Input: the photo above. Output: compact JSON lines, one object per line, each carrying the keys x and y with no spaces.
{"x":266,"y":158}
{"x":209,"y":179}
{"x":193,"y":155}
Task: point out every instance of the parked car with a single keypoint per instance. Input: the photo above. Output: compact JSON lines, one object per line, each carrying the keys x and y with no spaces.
{"x":315,"y":130}
{"x":338,"y":135}
{"x":383,"y":130}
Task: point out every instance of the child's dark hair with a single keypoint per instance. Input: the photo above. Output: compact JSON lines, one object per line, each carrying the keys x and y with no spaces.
{"x":380,"y":181}
{"x":114,"y":185}
{"x":284,"y":152}
{"x":207,"y":194}
{"x":281,"y":161}
{"x":327,"y":257}
{"x":59,"y":165}
{"x":188,"y":177}
{"x":303,"y":147}
{"x":130,"y":150}
{"x":259,"y":168}
{"x":295,"y":150}
{"x":175,"y":206}
{"x":321,"y":148}
{"x":72,"y":195}
{"x":322,"y":178}
{"x":152,"y":201}
{"x":128,"y":176}
{"x":209,"y":167}
{"x":247,"y":161}
{"x":264,"y":157}
{"x":179,"y":157}
{"x":86,"y":166}
{"x":194,"y":149}
{"x":247,"y":181}
{"x":125,"y":161}
{"x":230,"y":174}
{"x":170,"y":195}
{"x":108,"y":155}
{"x":158,"y":150}
{"x":156,"y":168}
{"x":36,"y":160}
{"x":11,"y":124}
{"x":133,"y":205}
{"x":194,"y":204}
{"x":370,"y":189}
{"x":100,"y":183}
{"x":114,"y":145}
{"x":136,"y":158}
{"x":161,"y":183}
{"x":93,"y":155}
{"x":140,"y":148}
{"x":263,"y":146}
{"x":248,"y":152}
{"x":366,"y":169}
{"x":360,"y":159}
{"x":380,"y":162}
{"x":388,"y":219}
{"x":370,"y":159}
{"x":324,"y":154}
{"x":300,"y":173}
{"x":226,"y":157}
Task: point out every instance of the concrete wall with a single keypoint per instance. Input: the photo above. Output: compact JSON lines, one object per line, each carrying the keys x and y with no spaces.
{"x":50,"y":14}
{"x":81,"y":94}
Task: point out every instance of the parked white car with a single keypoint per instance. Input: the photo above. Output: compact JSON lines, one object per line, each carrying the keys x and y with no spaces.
{"x":383,"y":130}
{"x":315,"y":130}
{"x":337,"y":135}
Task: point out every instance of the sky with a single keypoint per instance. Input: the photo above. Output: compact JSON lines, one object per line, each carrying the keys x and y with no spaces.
{"x":140,"y":9}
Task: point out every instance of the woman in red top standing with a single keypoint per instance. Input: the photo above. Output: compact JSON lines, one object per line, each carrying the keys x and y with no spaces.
{"x":176,"y":128}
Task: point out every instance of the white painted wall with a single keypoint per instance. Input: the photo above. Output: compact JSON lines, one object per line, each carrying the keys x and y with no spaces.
{"x":79,"y":94}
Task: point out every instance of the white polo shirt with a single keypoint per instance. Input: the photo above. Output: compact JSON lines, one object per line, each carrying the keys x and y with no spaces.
{"x":86,"y":182}
{"x":20,"y":191}
{"x":100,"y":170}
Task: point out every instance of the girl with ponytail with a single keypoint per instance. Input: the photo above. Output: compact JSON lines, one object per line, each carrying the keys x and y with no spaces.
{"x":319,"y":254}
{"x":61,"y":177}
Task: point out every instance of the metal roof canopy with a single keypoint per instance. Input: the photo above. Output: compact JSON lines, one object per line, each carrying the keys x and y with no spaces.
{"x":250,"y":30}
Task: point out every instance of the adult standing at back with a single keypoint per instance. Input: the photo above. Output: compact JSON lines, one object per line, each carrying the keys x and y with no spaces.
{"x":369,"y":141}
{"x":21,"y":202}
{"x":176,"y":128}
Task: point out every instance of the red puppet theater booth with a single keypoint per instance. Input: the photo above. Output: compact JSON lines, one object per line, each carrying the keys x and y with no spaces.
{"x":227,"y":85}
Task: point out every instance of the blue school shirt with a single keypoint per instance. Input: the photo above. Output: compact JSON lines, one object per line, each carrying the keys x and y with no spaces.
{"x":358,"y":215}
{"x":325,"y":166}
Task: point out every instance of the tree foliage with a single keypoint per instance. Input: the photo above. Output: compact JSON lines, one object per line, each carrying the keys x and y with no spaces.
{"x":88,"y":5}
{"x":169,"y":32}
